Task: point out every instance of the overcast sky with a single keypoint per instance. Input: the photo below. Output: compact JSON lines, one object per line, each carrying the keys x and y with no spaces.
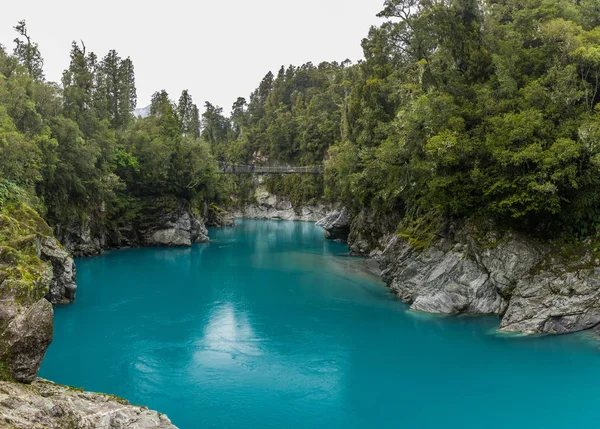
{"x":219,"y":50}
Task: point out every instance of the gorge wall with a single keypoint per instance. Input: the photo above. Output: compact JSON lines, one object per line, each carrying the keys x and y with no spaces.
{"x":534,"y":286}
{"x":151,"y":222}
{"x":265,"y":205}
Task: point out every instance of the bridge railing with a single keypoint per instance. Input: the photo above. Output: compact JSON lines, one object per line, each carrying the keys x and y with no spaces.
{"x":227,"y":168}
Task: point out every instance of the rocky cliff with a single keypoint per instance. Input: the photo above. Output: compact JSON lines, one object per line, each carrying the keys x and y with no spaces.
{"x":219,"y":217}
{"x":366,"y":232}
{"x":36,"y":270}
{"x":146,"y":222}
{"x":269,"y":206}
{"x":533,"y":286}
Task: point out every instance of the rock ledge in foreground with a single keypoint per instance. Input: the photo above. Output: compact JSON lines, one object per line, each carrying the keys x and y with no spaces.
{"x":44,"y":404}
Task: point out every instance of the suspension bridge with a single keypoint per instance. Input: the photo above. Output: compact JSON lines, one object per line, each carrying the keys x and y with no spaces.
{"x":228,"y":168}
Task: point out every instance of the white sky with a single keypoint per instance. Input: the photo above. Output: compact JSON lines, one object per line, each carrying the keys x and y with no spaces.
{"x":217,"y":49}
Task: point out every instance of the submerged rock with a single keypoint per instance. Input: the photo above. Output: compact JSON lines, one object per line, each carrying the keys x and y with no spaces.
{"x":44,"y":404}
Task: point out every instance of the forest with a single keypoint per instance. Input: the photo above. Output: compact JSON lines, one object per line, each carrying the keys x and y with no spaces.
{"x":460,"y":109}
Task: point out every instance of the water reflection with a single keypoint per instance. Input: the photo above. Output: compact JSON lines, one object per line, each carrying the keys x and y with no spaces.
{"x":227,"y":337}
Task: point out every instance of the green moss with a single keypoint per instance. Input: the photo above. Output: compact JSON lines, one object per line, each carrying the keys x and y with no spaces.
{"x":215,"y":208}
{"x":21,"y":269}
{"x":5,"y":374}
{"x":421,"y":231}
{"x":27,"y":218}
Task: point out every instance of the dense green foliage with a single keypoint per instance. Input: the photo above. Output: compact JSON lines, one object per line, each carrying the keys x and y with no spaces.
{"x":77,"y":149}
{"x":460,"y":108}
{"x":471,"y":108}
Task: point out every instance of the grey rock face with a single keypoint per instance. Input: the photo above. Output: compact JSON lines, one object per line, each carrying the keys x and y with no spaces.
{"x":62,"y":286}
{"x":442,"y":279}
{"x":24,"y":341}
{"x":79,"y":240}
{"x":177,"y":229}
{"x":157,"y":223}
{"x":336,"y":224}
{"x":219,"y":218}
{"x":47,"y":405}
{"x":507,"y":276}
{"x":270,"y":206}
{"x":555,"y":303}
{"x":26,"y":321}
{"x":370,"y":232}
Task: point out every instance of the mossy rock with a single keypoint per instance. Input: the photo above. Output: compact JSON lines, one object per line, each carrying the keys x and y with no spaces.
{"x":28,"y":218}
{"x":9,"y":255}
{"x":23,"y":274}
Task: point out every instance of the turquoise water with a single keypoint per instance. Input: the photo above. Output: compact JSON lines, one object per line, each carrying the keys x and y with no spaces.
{"x":270,"y":326}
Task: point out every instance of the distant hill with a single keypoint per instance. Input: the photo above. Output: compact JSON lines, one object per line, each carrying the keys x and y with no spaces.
{"x":142,"y":112}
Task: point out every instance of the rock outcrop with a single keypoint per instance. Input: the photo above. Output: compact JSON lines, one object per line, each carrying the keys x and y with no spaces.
{"x":269,"y":206}
{"x":563,"y":299}
{"x":83,"y":237}
{"x":179,"y":228}
{"x":370,"y":232}
{"x":217,"y":217}
{"x":144,"y":222}
{"x":336,"y":224}
{"x":36,"y":270}
{"x":367,"y":232}
{"x":62,"y":286}
{"x":45,"y":405}
{"x":507,"y":274}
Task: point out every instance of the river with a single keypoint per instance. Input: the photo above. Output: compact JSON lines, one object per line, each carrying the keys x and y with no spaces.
{"x":272,"y":326}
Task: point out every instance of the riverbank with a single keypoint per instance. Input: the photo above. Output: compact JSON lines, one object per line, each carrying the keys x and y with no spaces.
{"x":534,"y":286}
